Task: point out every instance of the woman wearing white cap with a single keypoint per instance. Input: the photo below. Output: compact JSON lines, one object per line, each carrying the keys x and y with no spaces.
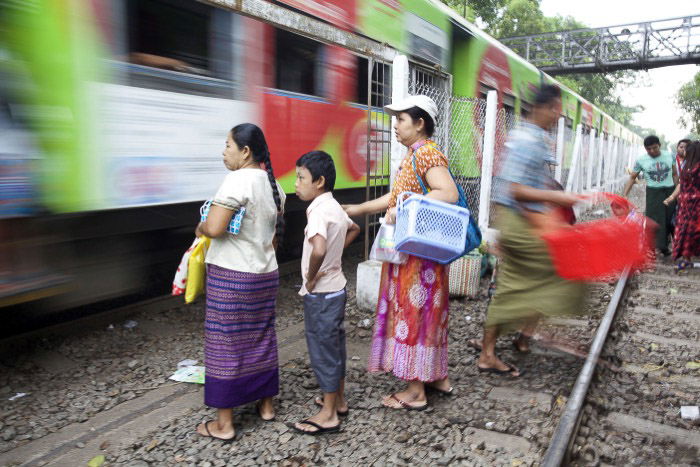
{"x":410,"y":334}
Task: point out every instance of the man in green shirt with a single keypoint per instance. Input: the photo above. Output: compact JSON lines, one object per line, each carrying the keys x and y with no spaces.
{"x":659,"y":170}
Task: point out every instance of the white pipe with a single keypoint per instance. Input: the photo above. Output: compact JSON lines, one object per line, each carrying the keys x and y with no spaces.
{"x":487,"y":159}
{"x":570,"y":180}
{"x":591,"y":159}
{"x":399,"y":91}
{"x":601,"y":154}
{"x":560,"y":148}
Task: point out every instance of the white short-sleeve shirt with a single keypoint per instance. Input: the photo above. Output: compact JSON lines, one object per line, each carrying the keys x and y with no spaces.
{"x":251,"y":250}
{"x":325,"y":217}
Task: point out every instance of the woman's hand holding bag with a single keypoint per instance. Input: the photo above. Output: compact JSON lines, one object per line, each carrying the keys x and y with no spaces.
{"x":384,"y":247}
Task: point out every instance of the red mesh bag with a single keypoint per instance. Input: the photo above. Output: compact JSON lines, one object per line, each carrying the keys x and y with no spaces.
{"x":602,"y":249}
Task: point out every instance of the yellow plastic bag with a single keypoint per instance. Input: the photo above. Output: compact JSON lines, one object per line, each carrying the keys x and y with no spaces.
{"x":196,"y":270}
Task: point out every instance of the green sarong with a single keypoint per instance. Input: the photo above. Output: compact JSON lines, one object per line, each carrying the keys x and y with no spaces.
{"x":657,"y":211}
{"x":527,"y":285}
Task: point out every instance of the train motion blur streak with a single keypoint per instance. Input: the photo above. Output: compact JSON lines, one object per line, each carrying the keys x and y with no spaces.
{"x":112,"y":114}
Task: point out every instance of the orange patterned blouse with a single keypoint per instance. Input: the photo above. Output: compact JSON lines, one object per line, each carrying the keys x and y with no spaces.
{"x":427,"y":157}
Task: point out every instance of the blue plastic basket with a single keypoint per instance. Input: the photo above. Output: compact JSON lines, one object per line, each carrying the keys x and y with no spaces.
{"x":430,"y":229}
{"x":234,"y":227}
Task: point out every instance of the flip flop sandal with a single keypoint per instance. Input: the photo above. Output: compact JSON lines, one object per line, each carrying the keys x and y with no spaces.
{"x":405,"y":405}
{"x":319,"y":429}
{"x":259,"y":412}
{"x":341,"y":413}
{"x":496,"y":371}
{"x":442,"y":392}
{"x":209,"y":435}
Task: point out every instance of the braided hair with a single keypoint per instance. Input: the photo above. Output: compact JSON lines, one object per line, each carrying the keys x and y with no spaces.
{"x":247,"y":134}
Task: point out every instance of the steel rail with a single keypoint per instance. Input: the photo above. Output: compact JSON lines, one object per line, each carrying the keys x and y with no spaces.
{"x":569,"y":421}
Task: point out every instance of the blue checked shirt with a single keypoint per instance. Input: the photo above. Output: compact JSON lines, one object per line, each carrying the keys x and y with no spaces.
{"x":529,"y":152}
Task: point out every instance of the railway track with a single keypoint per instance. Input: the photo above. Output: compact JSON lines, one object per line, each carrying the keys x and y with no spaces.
{"x":103,"y":390}
{"x":631,"y":413}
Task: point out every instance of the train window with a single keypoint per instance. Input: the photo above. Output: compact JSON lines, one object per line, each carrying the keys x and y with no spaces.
{"x":180,"y":36}
{"x":381,"y":83}
{"x":298,"y":63}
{"x":525,"y":108}
{"x":170,"y":34}
{"x":362,"y":72}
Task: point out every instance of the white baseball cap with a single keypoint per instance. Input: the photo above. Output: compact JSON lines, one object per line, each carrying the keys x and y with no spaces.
{"x":421,"y":101}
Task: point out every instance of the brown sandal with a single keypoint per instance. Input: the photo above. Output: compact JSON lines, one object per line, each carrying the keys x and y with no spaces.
{"x":405,"y":405}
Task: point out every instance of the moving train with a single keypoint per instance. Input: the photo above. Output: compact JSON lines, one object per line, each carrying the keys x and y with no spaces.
{"x":114,"y":113}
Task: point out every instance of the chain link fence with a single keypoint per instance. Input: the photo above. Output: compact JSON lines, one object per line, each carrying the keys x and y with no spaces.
{"x":459,"y":131}
{"x":506,"y":121}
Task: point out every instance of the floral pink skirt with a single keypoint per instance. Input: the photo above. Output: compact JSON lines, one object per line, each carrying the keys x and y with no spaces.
{"x":411,"y":324}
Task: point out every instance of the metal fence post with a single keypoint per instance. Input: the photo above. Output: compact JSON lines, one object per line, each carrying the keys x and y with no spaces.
{"x":487,"y":159}
{"x":575,"y":159}
{"x":613,"y":165}
{"x":591,"y":160}
{"x":560,"y":148}
{"x":608,"y":161}
{"x":399,"y":91}
{"x":601,"y":154}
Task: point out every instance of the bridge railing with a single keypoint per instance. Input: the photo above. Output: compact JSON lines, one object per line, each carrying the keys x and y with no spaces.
{"x":628,"y":46}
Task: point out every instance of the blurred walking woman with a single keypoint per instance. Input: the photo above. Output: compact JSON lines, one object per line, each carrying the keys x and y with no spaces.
{"x":240,"y":350}
{"x":410,"y":334}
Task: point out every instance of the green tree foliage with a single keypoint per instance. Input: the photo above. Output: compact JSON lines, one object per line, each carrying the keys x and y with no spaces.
{"x":688,"y":99}
{"x":508,"y":18}
{"x":486,"y":11}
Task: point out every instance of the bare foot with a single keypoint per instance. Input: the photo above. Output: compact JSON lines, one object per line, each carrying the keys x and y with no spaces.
{"x":341,"y":406}
{"x":211,"y":429}
{"x":265,"y":409}
{"x":319,"y":419}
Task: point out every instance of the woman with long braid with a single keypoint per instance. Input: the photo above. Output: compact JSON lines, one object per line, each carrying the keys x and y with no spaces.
{"x":240,"y":350}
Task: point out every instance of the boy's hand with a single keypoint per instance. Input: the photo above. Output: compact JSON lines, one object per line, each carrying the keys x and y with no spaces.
{"x":311,"y":283}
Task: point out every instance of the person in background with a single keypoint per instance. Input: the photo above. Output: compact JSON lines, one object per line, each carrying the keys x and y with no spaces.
{"x":680,"y":155}
{"x":686,"y":239}
{"x":411,"y":324}
{"x":659,"y":169}
{"x":527,"y":286}
{"x":328,"y":232}
{"x":240,"y":344}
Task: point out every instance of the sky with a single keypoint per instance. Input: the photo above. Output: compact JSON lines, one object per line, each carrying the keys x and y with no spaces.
{"x":656,"y":90}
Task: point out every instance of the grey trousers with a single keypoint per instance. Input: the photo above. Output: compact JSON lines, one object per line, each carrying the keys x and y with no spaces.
{"x":324,"y":321}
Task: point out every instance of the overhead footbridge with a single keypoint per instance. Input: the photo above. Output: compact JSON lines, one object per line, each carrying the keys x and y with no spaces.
{"x":633,"y":46}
